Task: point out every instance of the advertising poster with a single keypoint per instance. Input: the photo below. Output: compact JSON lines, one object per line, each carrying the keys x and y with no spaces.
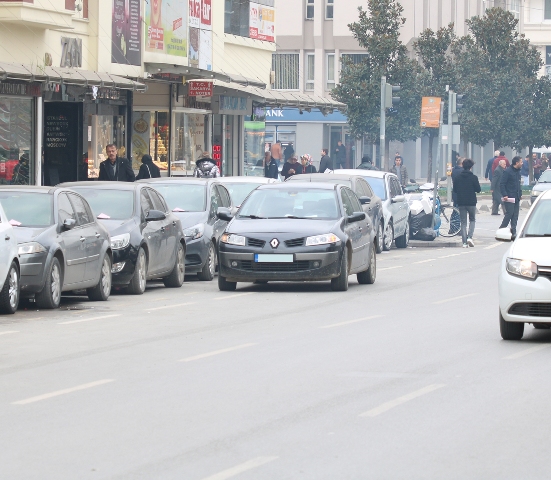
{"x":165,"y":27}
{"x":140,"y":137}
{"x":126,"y":32}
{"x":261,"y":22}
{"x":200,"y":34}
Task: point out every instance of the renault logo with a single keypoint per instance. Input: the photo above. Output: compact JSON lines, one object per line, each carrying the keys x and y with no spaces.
{"x":274,"y":243}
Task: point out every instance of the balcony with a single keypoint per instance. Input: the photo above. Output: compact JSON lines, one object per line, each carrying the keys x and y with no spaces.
{"x":36,"y":14}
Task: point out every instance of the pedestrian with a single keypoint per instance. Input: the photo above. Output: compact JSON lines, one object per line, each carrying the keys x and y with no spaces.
{"x":326,"y":163}
{"x":512,"y":193}
{"x":489,"y":173}
{"x":288,"y":152}
{"x":497,"y":160}
{"x":206,"y":167}
{"x":366,"y":164}
{"x":496,"y":188}
{"x":275,"y":151}
{"x":291,"y":167}
{"x":115,"y":168}
{"x":340,"y":154}
{"x":400,"y":171}
{"x":544,"y":162}
{"x":148,"y":169}
{"x":536,"y":165}
{"x":466,"y":186}
{"x":270,"y":166}
{"x":525,"y":171}
{"x":307,"y":164}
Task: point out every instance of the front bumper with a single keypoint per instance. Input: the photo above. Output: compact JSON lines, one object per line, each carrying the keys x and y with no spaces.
{"x":33,"y":268}
{"x":129,"y":256}
{"x":196,"y":254}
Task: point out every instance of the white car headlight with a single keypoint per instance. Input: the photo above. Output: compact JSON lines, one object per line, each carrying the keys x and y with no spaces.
{"x":522,"y":268}
{"x":324,"y":239}
{"x":120,"y":241}
{"x":195,"y":232}
{"x":30,"y":247}
{"x":232,"y":239}
{"x":535,"y":193}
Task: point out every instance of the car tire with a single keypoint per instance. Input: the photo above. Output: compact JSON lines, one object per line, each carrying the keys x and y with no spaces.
{"x":224,"y":285}
{"x":9,"y":296}
{"x":510,"y":330}
{"x":388,"y":236}
{"x":403,"y":240}
{"x":50,"y":296}
{"x":176,"y":277}
{"x":340,"y":283}
{"x":101,"y":292}
{"x":139,"y":279}
{"x":207,"y":273}
{"x":369,"y":276}
{"x":380,"y":237}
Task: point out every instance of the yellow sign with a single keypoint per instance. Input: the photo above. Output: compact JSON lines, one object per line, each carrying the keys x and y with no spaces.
{"x":430,"y":112}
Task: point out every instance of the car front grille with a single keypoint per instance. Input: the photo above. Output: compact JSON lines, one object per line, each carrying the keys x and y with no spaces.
{"x":251,"y":266}
{"x":544,"y":272}
{"x":255,"y":242}
{"x":532,"y":309}
{"x":295,"y":242}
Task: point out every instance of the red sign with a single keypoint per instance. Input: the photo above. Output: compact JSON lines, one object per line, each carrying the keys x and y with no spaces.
{"x":217,"y":154}
{"x":206,"y":10}
{"x":200,"y":89}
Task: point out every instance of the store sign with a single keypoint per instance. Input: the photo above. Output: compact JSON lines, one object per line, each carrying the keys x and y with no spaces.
{"x":104,"y":93}
{"x":430,"y":112}
{"x":26,"y":89}
{"x":200,"y":89}
{"x":261,"y":22}
{"x":166,"y":27}
{"x":126,"y":45}
{"x":200,"y":34}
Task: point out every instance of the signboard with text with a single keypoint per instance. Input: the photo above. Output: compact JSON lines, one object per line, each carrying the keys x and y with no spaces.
{"x":430,"y":112}
{"x":262,"y":22}
{"x":200,"y":89}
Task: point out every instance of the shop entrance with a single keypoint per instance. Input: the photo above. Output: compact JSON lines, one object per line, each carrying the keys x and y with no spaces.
{"x":62,"y":137}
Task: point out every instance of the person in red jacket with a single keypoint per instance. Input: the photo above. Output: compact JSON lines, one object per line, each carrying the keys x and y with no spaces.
{"x":498,"y":159}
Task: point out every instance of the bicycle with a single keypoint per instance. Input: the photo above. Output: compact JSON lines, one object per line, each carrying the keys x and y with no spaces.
{"x":448,"y":220}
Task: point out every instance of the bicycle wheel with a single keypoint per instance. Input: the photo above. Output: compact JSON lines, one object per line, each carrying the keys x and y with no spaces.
{"x":450,"y":225}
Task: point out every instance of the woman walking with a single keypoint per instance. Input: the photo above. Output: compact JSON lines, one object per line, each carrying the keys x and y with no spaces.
{"x":466,"y":186}
{"x":307,"y":164}
{"x":148,"y":169}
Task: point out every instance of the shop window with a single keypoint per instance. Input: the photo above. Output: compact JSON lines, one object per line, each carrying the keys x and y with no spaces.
{"x":329,"y":9}
{"x":309,"y":9}
{"x":286,"y":68}
{"x":104,"y":130}
{"x":310,"y":71}
{"x":189,"y":142}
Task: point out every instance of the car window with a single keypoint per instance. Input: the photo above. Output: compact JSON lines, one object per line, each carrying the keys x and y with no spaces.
{"x":378,"y":186}
{"x":146,"y":202}
{"x":348,"y":207}
{"x":215,"y":200}
{"x":82,"y":215}
{"x":366,"y":188}
{"x":240,"y":191}
{"x":108,"y":204}
{"x":394,"y":187}
{"x":27,"y":209}
{"x":158,"y":203}
{"x":64,"y":208}
{"x":539,"y":223}
{"x":224,"y":195}
{"x":356,"y":205}
{"x":183,"y":197}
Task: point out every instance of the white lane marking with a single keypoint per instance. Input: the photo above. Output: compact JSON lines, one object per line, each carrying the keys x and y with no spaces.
{"x":169,"y":306}
{"x":216,"y":352}
{"x":493,"y":246}
{"x":352,"y":321}
{"x":528,"y":351}
{"x":389,"y":268}
{"x":9,"y":331}
{"x":235,"y":295}
{"x":401,"y":400}
{"x":460,"y":297}
{"x":243,"y":467}
{"x":63,"y":392}
{"x":89,"y":319}
{"x":452,"y":255}
{"x":425,"y":261}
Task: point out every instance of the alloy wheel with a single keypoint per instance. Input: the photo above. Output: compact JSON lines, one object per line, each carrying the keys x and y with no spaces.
{"x":212,"y":260}
{"x":388,"y":236}
{"x":13,"y":288}
{"x":181,"y":264}
{"x":106,"y":277}
{"x":141,"y":270}
{"x":56,"y":284}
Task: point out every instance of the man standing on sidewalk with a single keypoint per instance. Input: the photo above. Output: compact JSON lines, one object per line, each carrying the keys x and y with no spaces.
{"x":466,"y":186}
{"x":496,"y":188}
{"x":115,"y":168}
{"x":512,"y":193}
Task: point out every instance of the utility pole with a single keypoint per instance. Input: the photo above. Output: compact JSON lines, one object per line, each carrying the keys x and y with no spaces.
{"x":435,"y":191}
{"x":387,"y":101}
{"x":451,"y":98}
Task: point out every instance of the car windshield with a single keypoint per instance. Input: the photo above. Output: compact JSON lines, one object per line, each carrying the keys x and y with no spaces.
{"x":239,"y":191}
{"x":109,"y":204}
{"x":28,"y":209}
{"x":378,"y":186}
{"x":307,"y":203}
{"x":539,"y":223}
{"x":182,"y":197}
{"x":334,"y":181}
{"x":545,"y":177}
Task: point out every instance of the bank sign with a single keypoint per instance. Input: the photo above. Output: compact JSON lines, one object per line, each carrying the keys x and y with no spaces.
{"x":294,"y":115}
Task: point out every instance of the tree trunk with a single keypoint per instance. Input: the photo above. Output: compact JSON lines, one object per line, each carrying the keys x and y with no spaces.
{"x":387,"y":147}
{"x":429,"y":166}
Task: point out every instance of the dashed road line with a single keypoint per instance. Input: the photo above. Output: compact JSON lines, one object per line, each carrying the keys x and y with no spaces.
{"x":528,"y":351}
{"x":169,"y":306}
{"x":352,"y":321}
{"x":9,"y":331}
{"x":217,"y":352}
{"x":452,"y":255}
{"x":90,"y":319}
{"x":63,"y":392}
{"x":493,"y":245}
{"x":389,"y":268}
{"x":241,"y":468}
{"x":460,"y":297}
{"x":426,"y":261}
{"x":235,"y":295}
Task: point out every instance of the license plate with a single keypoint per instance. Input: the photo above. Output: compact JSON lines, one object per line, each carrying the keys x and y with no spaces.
{"x":273,"y":258}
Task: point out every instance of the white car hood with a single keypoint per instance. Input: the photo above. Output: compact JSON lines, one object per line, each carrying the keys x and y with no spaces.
{"x":536,"y":249}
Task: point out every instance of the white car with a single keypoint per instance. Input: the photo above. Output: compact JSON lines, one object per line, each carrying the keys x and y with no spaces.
{"x":9,"y":267}
{"x":240,"y":187}
{"x":525,"y":273}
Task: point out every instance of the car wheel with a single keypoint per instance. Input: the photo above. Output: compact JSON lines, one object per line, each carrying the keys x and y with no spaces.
{"x":340,"y":284}
{"x":224,"y":285}
{"x":388,"y":236}
{"x":403,"y":240}
{"x":101,"y":292}
{"x":138,"y":281}
{"x":50,"y":295}
{"x":369,"y":275}
{"x":176,"y":277}
{"x":207,"y":273}
{"x":380,"y":237}
{"x":9,"y":296}
{"x":510,"y":330}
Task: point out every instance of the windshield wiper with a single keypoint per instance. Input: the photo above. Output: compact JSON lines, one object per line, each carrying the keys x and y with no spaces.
{"x":254,"y":217}
{"x":537,"y":234}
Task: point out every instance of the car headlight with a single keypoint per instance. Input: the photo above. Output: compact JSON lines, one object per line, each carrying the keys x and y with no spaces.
{"x":120,"y":241}
{"x":30,"y":247}
{"x":324,"y":239}
{"x":194,"y":232}
{"x":535,"y":193}
{"x":232,"y":239}
{"x":522,"y":268}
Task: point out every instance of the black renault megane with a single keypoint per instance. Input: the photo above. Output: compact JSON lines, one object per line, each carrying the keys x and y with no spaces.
{"x":297,"y":232}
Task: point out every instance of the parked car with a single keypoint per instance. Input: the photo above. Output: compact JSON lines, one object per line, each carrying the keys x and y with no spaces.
{"x":61,"y":245}
{"x":240,"y":187}
{"x":395,"y":207}
{"x":10,"y":270}
{"x":146,"y":238}
{"x":542,"y":185}
{"x":297,"y":232}
{"x":371,"y":203}
{"x":195,"y":202}
{"x":525,"y":273}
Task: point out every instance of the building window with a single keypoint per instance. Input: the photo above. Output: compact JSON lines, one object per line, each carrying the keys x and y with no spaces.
{"x":286,"y":69}
{"x":330,"y":71}
{"x":236,"y":17}
{"x":309,"y":9}
{"x":310,"y":71}
{"x":352,"y":59}
{"x":547,"y":12}
{"x":329,"y":9}
{"x":515,"y":8}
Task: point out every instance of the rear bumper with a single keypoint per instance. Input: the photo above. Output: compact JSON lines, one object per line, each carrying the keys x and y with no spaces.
{"x":196,"y":255}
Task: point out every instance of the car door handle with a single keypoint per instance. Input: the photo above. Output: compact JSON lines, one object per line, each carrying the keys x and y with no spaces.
{"x":82,"y":239}
{"x":98,"y":235}
{"x":7,"y":237}
{"x":174,"y":223}
{"x":162,"y":229}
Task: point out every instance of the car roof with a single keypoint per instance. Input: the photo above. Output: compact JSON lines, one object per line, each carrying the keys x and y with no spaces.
{"x":31,"y":188}
{"x":101,"y":185}
{"x":245,"y":179}
{"x":322,"y":176}
{"x":184,"y":180}
{"x":295,"y":185}
{"x":362,"y":173}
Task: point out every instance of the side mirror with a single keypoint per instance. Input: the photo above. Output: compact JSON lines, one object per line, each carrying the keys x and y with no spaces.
{"x":504,"y":235}
{"x":69,"y":223}
{"x":154,"y":216}
{"x":398,"y":199}
{"x":356,"y":217}
{"x":365,"y":200}
{"x":224,"y":213}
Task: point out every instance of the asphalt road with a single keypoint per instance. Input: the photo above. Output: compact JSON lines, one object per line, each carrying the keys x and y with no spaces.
{"x":407,"y":378}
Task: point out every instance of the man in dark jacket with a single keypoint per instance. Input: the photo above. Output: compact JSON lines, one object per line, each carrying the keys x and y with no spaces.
{"x":340,"y":153}
{"x":489,"y":174}
{"x":512,"y":193}
{"x":326,"y":162}
{"x":496,"y":188}
{"x":456,"y":171}
{"x":291,"y":167}
{"x":366,"y":164}
{"x":270,"y":168}
{"x":466,"y":186}
{"x":148,"y":169}
{"x":115,"y":168}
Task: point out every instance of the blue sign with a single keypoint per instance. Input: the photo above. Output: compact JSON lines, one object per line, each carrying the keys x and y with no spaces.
{"x":293,"y":115}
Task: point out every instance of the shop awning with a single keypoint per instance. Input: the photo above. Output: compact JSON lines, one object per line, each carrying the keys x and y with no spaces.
{"x":68,"y":76}
{"x":155,"y":69}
